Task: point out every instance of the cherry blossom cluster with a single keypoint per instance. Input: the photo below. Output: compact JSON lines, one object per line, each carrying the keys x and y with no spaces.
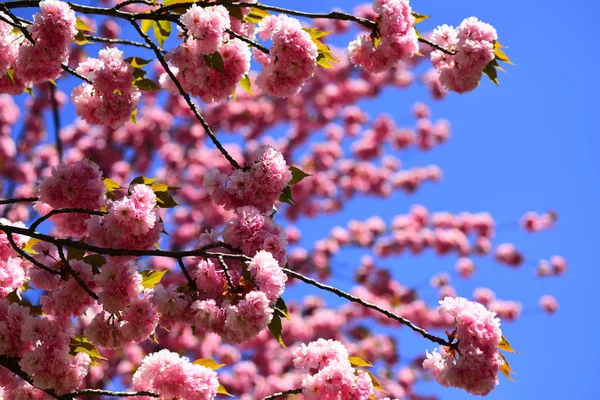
{"x":172,"y":376}
{"x":12,"y":268}
{"x":292,"y":59}
{"x":111,"y":98}
{"x":52,"y":31}
{"x":556,"y":266}
{"x":329,"y":372}
{"x":259,"y":185}
{"x":474,"y":365}
{"x":42,"y":344}
{"x":395,"y":40}
{"x":207,"y":26}
{"x":78,"y":185}
{"x":533,"y":222}
{"x":130,"y":223}
{"x":473,"y":44}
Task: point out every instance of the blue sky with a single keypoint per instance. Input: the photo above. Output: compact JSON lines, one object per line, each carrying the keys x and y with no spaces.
{"x":529,"y":144}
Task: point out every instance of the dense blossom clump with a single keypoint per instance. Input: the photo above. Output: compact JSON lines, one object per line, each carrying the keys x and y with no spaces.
{"x":9,"y":46}
{"x":205,"y":78}
{"x":208,"y":26}
{"x":398,"y":39}
{"x":111,"y":98}
{"x":292,"y":59}
{"x":330,"y":375}
{"x":252,"y":231}
{"x":78,"y":185}
{"x":172,"y":376}
{"x":120,"y":284}
{"x":131,"y":222}
{"x":473,"y":44}
{"x":474,"y":367}
{"x":12,"y":318}
{"x":259,"y":185}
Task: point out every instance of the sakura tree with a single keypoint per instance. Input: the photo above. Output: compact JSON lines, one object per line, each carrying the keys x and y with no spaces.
{"x":150,"y":241}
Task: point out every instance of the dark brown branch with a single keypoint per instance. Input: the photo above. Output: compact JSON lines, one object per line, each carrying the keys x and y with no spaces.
{"x":26,"y":256}
{"x":117,"y":41}
{"x":372,"y":306}
{"x":248,"y":41}
{"x":226,"y":271}
{"x":185,"y":95}
{"x":75,"y":275}
{"x":436,"y":46}
{"x":129,"y":2}
{"x":18,"y":200}
{"x":100,"y":392}
{"x":281,"y":394}
{"x":41,"y":219}
{"x":187,"y":274}
{"x":12,"y":364}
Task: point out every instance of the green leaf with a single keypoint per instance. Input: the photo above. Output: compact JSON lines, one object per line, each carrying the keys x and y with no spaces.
{"x":139,"y":73}
{"x":165,"y":200}
{"x":147,"y":24}
{"x":162,"y":31}
{"x":246,"y":84}
{"x":75,"y":254}
{"x":208,"y":363}
{"x":80,"y":39}
{"x":276,"y":328}
{"x":29,"y":246}
{"x":95,"y":260}
{"x":82,"y":26}
{"x":145,"y":84}
{"x":504,"y":345}
{"x":142,"y":180}
{"x":419,"y":17}
{"x":235,"y":12}
{"x":133,"y":116}
{"x":506,"y":369}
{"x":16,"y":31}
{"x":223,"y":391}
{"x":215,"y":60}
{"x":111,"y":185}
{"x":282,"y":309}
{"x":256,"y":15}
{"x":286,"y":196}
{"x":137,"y":62}
{"x":359,"y":362}
{"x":29,"y":91}
{"x":159,"y":187}
{"x":11,"y":74}
{"x":324,"y":57}
{"x":151,"y":277}
{"x":297,"y":175}
{"x":376,"y":383}
{"x":153,"y":337}
{"x":80,"y":344}
{"x":500,"y":55}
{"x":491,"y":72}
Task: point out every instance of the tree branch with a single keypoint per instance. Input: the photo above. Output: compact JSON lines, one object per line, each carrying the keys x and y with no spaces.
{"x":186,"y":273}
{"x":12,"y":364}
{"x":372,"y":306}
{"x":281,"y":394}
{"x":75,"y":275}
{"x":101,"y":392}
{"x":28,"y":257}
{"x":185,"y":95}
{"x":101,"y":39}
{"x":43,"y":218}
{"x":226,"y":271}
{"x":18,"y":200}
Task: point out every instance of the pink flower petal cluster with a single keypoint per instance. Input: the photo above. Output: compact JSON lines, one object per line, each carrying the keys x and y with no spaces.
{"x":53,"y":30}
{"x":473,"y":43}
{"x":534,"y":222}
{"x":330,"y":374}
{"x":292,"y":59}
{"x":555,"y":267}
{"x":78,"y":185}
{"x":475,"y":367}
{"x":205,"y":77}
{"x":131,"y":222}
{"x":12,"y":318}
{"x":9,"y":46}
{"x":258,"y":185}
{"x":252,"y":231}
{"x":138,"y":321}
{"x":119,"y":284}
{"x":398,"y":39}
{"x":172,"y":376}
{"x":208,"y":26}
{"x":111,"y":98}
{"x":6,"y":249}
{"x":69,"y":298}
{"x":49,"y":364}
{"x":237,"y":317}
{"x":549,"y":304}
{"x":508,"y":254}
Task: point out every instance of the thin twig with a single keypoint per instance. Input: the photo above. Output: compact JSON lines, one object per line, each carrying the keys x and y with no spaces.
{"x":75,"y":275}
{"x":226,"y":271}
{"x":248,"y":41}
{"x":129,"y":2}
{"x":12,"y":364}
{"x":185,"y":95}
{"x":366,"y":304}
{"x":186,"y":273}
{"x":100,"y":392}
{"x":436,"y":46}
{"x":32,"y":260}
{"x":43,"y":218}
{"x":281,"y":394}
{"x":18,"y":200}
{"x":56,"y":121}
